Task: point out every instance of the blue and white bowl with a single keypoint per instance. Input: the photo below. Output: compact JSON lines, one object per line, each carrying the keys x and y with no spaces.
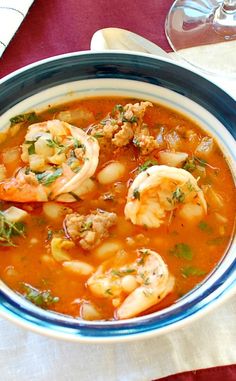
{"x":72,"y":76}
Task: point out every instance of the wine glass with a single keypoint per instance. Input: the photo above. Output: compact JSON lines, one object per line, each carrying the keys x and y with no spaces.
{"x":209,"y":25}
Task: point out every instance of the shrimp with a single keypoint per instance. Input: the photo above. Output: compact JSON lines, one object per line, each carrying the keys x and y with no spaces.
{"x":162,"y":189}
{"x":135,"y":287}
{"x":57,"y":157}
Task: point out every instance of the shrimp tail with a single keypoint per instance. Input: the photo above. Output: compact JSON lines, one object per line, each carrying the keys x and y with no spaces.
{"x":142,"y":298}
{"x":14,"y":190}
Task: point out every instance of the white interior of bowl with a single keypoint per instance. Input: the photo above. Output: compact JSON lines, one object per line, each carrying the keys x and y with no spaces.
{"x":141,"y":90}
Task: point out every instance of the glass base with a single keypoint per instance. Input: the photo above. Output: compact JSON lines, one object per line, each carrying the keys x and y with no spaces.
{"x":203,"y":33}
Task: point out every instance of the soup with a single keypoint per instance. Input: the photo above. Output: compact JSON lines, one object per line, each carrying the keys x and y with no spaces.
{"x":111,"y":208}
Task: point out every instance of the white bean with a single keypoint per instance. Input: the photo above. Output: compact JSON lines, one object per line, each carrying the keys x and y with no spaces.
{"x":54,"y":211}
{"x":107,"y":249}
{"x":129,"y":283}
{"x":78,"y":267}
{"x":89,"y":312}
{"x":111,"y":173}
{"x":86,"y":187}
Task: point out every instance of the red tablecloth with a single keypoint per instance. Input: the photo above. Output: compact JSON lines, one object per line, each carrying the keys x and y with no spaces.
{"x":57,"y":26}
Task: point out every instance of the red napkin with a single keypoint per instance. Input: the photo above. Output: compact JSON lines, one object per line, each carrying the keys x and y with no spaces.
{"x":220,"y":373}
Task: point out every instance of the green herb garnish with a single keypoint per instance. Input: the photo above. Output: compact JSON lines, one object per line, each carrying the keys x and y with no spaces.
{"x":49,"y":235}
{"x":9,"y":229}
{"x":98,"y":135}
{"x":31,"y":117}
{"x":31,"y":149}
{"x":204,"y":227}
{"x":192,"y":271}
{"x":146,"y":165}
{"x":178,"y":196}
{"x":53,"y":143}
{"x":190,"y":165}
{"x":133,"y":119}
{"x":42,"y":299}
{"x":121,"y":273}
{"x":182,"y":250}
{"x":136,"y":194}
{"x":47,"y":178}
{"x":108,"y":291}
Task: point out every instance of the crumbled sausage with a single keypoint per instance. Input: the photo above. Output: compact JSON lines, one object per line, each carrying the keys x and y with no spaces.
{"x":145,"y":143}
{"x":89,"y":230}
{"x":124,"y":124}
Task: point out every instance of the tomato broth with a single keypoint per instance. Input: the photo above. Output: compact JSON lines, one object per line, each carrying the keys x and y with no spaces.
{"x":54,"y":261}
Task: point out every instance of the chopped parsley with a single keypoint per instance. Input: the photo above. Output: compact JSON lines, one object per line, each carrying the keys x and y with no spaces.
{"x":108,"y":291}
{"x":31,"y":149}
{"x":190,"y":165}
{"x":178,"y":196}
{"x":136,"y":194}
{"x":42,"y":299}
{"x":31,"y":117}
{"x":182,"y":250}
{"x":49,"y":235}
{"x":123,"y":272}
{"x":133,"y":119}
{"x":47,"y":178}
{"x":119,"y":108}
{"x":144,"y":253}
{"x":53,"y":143}
{"x":192,"y":271}
{"x":9,"y":229}
{"x":98,"y":135}
{"x":146,"y":165}
{"x":204,"y":227}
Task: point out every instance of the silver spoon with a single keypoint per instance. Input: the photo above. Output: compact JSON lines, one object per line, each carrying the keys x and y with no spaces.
{"x":121,"y":39}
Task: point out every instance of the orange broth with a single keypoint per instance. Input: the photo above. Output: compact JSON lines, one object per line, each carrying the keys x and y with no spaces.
{"x":29,"y":262}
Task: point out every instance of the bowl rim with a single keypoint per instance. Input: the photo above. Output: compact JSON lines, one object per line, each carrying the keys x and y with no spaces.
{"x":124,"y":337}
{"x":177,"y":63}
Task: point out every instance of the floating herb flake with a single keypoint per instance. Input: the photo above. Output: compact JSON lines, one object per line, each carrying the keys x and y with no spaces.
{"x":42,"y":299}
{"x":9,"y":229}
{"x":47,"y":178}
{"x":136,"y":194}
{"x":192,"y":271}
{"x":182,"y":250}
{"x":31,"y":117}
{"x":203,"y":225}
{"x":146,"y":165}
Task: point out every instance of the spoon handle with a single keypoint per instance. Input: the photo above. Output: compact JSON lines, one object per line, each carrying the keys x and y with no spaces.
{"x":121,"y":39}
